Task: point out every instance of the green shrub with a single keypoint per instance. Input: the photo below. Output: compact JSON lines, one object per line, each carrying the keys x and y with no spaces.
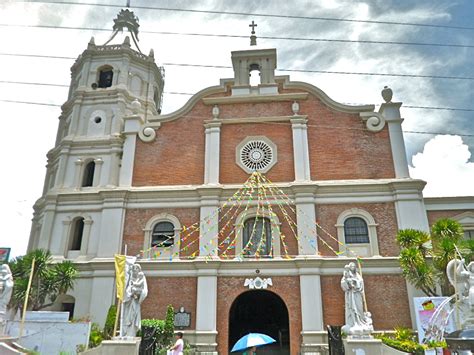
{"x":404,"y":340}
{"x":164,"y":330}
{"x":110,"y":322}
{"x":96,"y":337}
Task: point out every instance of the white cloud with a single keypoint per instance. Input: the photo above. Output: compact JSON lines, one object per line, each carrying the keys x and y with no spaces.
{"x":444,"y":164}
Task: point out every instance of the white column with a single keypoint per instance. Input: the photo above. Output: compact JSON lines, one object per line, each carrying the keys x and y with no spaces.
{"x":78,"y":173}
{"x":212,"y":153}
{"x":209,"y":225}
{"x":114,"y":168}
{"x":132,"y":125}
{"x":300,"y":148}
{"x":391,"y":112}
{"x":86,"y":233}
{"x":97,"y":172}
{"x":306,"y":222}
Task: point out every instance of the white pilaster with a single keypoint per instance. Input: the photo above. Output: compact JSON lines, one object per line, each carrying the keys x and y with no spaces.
{"x":300,"y":148}
{"x":391,"y":112}
{"x":209,"y":225}
{"x":47,"y":227}
{"x":306,"y":221}
{"x":206,"y":309}
{"x":212,"y":153}
{"x":111,"y":226}
{"x":132,"y":125}
{"x":311,"y":303}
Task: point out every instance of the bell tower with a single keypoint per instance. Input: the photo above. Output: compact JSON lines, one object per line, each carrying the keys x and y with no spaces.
{"x":108,"y":83}
{"x":112,"y":86}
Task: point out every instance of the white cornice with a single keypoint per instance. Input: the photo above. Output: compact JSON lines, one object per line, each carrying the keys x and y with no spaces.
{"x":310,"y":265}
{"x":449,"y":203}
{"x":191,"y":196}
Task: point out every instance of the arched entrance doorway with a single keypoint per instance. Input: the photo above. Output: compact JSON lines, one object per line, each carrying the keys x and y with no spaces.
{"x":260,"y":311}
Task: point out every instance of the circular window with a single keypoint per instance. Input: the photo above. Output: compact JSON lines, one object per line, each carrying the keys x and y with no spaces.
{"x":97,"y":119}
{"x":256,"y":155}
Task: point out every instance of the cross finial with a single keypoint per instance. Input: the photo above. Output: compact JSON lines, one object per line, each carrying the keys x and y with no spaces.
{"x":253,"y":25}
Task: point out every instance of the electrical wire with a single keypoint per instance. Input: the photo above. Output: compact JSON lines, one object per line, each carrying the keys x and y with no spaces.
{"x":283,"y":123}
{"x":190,"y":94}
{"x":247,"y":14}
{"x":441,"y":77}
{"x":328,"y":40}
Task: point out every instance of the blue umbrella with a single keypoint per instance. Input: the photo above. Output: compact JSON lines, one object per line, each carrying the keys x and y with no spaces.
{"x":252,"y":339}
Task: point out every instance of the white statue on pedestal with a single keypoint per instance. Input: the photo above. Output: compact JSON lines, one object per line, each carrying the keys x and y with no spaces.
{"x":136,"y":291}
{"x":6,"y":289}
{"x":358,"y":322}
{"x":462,"y":279}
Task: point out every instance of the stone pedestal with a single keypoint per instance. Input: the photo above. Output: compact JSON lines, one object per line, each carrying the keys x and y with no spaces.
{"x":116,"y":346}
{"x":363,"y":346}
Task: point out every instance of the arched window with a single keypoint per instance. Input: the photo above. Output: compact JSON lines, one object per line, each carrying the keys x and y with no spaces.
{"x":356,"y":231}
{"x":254,"y":75}
{"x":162,"y":235}
{"x":88,"y":177}
{"x":106,"y":75}
{"x":257,"y":237}
{"x":77,"y":232}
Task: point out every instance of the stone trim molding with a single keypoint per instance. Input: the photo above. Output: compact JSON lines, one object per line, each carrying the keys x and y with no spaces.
{"x":362,"y":249}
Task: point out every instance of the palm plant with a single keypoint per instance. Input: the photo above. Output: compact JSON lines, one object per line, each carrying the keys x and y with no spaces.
{"x":424,"y":257}
{"x":49,"y":279}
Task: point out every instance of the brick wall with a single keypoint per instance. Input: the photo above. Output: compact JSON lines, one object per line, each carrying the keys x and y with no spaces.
{"x":136,"y":219}
{"x":279,"y":133}
{"x":340,"y":146}
{"x":176,"y":156}
{"x":386,"y":299}
{"x":176,"y":291}
{"x":287,"y":287}
{"x":383,"y":213}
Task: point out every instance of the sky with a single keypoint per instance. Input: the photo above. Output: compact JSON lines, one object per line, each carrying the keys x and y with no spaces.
{"x":439,"y":143}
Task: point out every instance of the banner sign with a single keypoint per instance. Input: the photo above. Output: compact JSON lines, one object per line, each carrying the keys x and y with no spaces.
{"x":4,"y":255}
{"x":434,"y":318}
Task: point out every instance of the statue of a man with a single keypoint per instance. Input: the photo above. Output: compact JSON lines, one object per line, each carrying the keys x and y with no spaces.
{"x":136,"y":291}
{"x":6,"y":289}
{"x":358,"y":322}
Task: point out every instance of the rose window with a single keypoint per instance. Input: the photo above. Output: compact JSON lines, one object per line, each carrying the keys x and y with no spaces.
{"x":256,"y":155}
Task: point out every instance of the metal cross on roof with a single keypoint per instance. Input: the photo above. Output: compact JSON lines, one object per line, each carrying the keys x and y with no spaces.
{"x":253,"y":25}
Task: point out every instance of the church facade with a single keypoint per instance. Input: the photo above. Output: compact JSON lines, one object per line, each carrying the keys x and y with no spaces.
{"x":243,"y":206}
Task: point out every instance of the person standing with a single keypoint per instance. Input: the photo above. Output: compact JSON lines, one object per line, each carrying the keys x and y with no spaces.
{"x":177,"y":348}
{"x":251,"y":351}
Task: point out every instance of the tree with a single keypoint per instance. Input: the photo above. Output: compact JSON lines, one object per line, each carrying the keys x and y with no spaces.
{"x":49,"y":279}
{"x":424,"y":257}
